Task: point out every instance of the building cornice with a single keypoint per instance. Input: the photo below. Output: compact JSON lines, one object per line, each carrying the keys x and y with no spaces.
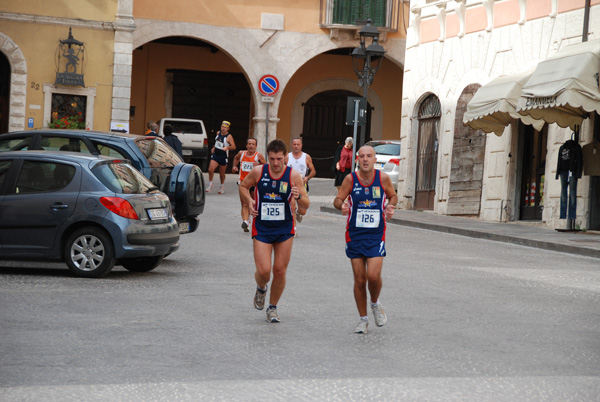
{"x":120,"y":24}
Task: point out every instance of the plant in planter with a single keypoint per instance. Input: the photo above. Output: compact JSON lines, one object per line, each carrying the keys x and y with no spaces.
{"x":74,"y":122}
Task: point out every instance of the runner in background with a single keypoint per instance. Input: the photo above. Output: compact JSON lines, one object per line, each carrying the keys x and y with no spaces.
{"x":302,"y":163}
{"x":247,"y":160}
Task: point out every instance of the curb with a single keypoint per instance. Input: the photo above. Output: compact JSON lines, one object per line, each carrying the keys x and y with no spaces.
{"x":544,"y":245}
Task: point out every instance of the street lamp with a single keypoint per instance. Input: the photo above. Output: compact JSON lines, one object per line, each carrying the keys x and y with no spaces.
{"x":366,"y":60}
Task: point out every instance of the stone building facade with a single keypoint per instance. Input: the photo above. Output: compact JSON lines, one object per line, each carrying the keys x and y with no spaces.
{"x":454,"y":48}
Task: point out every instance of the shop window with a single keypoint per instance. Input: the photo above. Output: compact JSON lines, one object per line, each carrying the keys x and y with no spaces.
{"x":68,"y":111}
{"x":74,"y":104}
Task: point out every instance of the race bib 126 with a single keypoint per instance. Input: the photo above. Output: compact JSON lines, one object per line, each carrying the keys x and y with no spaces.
{"x":367,"y":218}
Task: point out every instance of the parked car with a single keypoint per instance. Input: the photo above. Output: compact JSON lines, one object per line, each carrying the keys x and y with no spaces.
{"x":194,"y":141}
{"x":388,"y":157}
{"x":91,"y":212}
{"x":182,"y":182}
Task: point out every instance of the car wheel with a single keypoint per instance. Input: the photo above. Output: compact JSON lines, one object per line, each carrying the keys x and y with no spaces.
{"x":89,"y":252}
{"x":141,"y":264}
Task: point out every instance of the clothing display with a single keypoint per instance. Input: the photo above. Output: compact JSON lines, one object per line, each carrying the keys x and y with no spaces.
{"x":569,"y":168}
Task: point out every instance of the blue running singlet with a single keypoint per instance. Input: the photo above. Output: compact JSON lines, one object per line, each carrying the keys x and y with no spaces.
{"x":273,"y":197}
{"x":366,"y":219}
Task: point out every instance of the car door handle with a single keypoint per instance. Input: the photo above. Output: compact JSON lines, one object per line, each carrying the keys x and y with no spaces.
{"x":59,"y":206}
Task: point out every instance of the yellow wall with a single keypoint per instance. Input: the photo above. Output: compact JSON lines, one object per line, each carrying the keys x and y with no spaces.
{"x":95,"y":10}
{"x":299,"y":15}
{"x":387,"y":84}
{"x":38,"y":42}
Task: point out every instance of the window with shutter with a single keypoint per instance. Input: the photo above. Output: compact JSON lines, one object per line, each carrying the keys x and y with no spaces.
{"x":353,"y":12}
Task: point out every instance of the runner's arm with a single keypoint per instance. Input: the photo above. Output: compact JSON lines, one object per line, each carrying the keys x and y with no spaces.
{"x":261,"y":159}
{"x":343,"y":192}
{"x":311,"y":167}
{"x":236,"y":161}
{"x":231,"y":143}
{"x":298,"y":191}
{"x":250,"y":181}
{"x":390,"y":194}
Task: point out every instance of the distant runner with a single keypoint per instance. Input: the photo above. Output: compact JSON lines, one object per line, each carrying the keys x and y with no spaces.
{"x":247,"y":160}
{"x":302,"y":163}
{"x":362,"y":198}
{"x":223,"y":144}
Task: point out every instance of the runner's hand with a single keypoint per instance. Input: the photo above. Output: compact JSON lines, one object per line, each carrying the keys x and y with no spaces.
{"x":345,"y":208}
{"x":252,"y":208}
{"x":234,"y":169}
{"x":389,"y":211}
{"x":295,"y":192}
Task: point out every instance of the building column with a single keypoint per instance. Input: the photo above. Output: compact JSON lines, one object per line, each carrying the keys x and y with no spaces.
{"x":122,"y":62}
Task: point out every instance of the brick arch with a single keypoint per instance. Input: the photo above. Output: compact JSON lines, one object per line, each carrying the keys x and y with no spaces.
{"x":18,"y":82}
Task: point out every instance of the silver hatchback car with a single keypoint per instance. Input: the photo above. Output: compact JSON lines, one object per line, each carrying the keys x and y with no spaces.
{"x":388,"y":157}
{"x":91,"y":212}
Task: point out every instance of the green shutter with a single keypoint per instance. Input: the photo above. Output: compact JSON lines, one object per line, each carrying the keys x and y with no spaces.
{"x":349,"y":12}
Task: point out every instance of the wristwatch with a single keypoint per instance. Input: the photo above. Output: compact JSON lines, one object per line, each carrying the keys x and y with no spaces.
{"x":299,"y":197}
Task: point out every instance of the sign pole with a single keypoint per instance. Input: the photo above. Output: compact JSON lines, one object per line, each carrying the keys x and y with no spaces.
{"x":356,"y":103}
{"x":267,"y":131}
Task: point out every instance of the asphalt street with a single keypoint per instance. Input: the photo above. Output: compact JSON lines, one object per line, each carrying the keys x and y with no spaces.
{"x":468,"y":320}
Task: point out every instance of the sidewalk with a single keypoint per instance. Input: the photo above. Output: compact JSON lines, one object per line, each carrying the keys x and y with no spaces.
{"x":579,"y":243}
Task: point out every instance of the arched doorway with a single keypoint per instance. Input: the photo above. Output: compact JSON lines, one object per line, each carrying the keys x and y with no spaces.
{"x":429,"y":127}
{"x":324,"y":128}
{"x":468,"y":154}
{"x":185,"y":77}
{"x":4,"y":92}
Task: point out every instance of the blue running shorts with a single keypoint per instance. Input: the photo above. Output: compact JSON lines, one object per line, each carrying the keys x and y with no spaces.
{"x":220,"y":161}
{"x":270,"y":239}
{"x":365,"y":249}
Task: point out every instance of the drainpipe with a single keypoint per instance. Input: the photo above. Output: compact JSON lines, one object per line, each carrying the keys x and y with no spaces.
{"x":586,"y":21}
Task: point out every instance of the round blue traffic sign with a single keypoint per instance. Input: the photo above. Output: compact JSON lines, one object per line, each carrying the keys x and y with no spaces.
{"x":268,"y":85}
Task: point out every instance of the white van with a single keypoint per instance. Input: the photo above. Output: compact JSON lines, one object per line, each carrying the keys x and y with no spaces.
{"x":194,"y":141}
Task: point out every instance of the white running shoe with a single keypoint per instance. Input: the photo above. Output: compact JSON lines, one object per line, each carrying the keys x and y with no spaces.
{"x":379,"y":315}
{"x":209,"y":188}
{"x":362,"y":326}
{"x":272,"y":315}
{"x":222,"y":189}
{"x":299,"y":217}
{"x":259,"y":299}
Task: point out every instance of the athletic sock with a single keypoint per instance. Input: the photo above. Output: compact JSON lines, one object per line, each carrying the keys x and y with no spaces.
{"x":364,"y":318}
{"x":272,"y":306}
{"x":262,"y":290}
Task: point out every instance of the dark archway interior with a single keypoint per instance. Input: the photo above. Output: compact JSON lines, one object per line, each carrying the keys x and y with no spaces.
{"x":4,"y":92}
{"x":324,"y":128}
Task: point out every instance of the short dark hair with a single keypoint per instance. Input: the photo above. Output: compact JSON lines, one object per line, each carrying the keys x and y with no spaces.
{"x":167,"y":129}
{"x":276,"y":146}
{"x":252,"y":139}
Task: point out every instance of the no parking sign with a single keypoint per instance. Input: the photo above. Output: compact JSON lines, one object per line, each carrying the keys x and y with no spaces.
{"x":268,"y":85}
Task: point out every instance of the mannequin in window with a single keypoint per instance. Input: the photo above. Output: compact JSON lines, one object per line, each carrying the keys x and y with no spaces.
{"x":569,"y":169}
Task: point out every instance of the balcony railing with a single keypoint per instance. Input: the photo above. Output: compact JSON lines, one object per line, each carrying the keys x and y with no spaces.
{"x":351,"y":14}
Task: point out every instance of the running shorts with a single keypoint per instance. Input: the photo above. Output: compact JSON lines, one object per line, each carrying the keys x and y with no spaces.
{"x":221,"y":161}
{"x":270,"y":239}
{"x":365,"y":249}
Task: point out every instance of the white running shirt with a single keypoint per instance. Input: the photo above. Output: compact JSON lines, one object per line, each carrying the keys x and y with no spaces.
{"x":299,"y":164}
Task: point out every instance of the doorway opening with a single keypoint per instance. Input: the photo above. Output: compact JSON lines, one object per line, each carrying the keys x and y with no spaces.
{"x":325,"y":129}
{"x":429,"y":127}
{"x":533,"y":159}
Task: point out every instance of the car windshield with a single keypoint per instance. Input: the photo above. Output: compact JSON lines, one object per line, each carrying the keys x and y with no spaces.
{"x":158,"y":153}
{"x":186,"y":127}
{"x":386,"y":148}
{"x":122,"y":178}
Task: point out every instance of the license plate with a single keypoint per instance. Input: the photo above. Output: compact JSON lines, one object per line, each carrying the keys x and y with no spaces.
{"x":187,"y":151}
{"x":379,"y":165}
{"x":184,"y":227}
{"x":157,"y":213}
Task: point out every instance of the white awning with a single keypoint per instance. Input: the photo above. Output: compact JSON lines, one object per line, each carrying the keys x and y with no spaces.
{"x":494,"y":105}
{"x":563,"y":89}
